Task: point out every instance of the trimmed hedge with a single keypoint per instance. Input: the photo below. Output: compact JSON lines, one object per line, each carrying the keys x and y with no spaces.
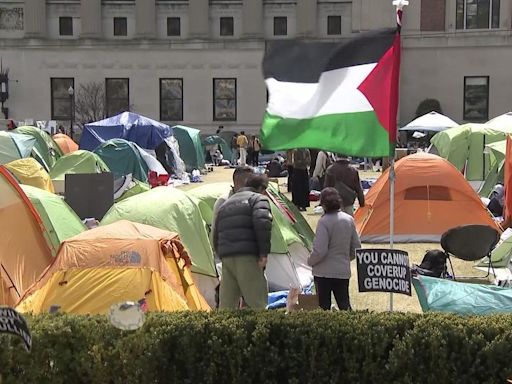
{"x":264,"y":347}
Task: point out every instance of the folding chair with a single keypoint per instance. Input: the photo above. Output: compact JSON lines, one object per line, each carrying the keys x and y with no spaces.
{"x":470,"y":243}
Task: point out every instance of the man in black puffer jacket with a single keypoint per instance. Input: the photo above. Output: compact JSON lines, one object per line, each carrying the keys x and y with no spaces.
{"x":241,"y":239}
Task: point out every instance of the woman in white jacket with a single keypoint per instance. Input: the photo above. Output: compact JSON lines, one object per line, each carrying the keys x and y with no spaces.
{"x":335,"y":243}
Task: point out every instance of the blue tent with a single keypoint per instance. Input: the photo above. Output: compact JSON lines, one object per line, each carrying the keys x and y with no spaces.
{"x":146,"y":133}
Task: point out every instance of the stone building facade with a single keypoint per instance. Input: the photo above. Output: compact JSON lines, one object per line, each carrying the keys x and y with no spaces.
{"x":198,"y":62}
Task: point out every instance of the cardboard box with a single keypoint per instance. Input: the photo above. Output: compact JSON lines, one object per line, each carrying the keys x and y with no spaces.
{"x":306,"y":303}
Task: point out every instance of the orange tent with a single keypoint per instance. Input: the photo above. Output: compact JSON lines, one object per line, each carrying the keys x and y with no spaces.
{"x":431,"y":196}
{"x":123,"y":261}
{"x":24,"y":253}
{"x":65,"y":143}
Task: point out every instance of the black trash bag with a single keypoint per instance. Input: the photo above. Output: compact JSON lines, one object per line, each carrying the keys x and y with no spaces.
{"x":433,"y":264}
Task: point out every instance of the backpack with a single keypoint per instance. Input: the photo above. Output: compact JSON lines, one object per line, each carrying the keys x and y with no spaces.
{"x":347,"y":194}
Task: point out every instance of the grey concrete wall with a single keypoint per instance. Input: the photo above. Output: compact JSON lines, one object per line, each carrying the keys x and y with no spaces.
{"x":307,"y":18}
{"x":35,"y":18}
{"x":145,"y":19}
{"x":90,"y":16}
{"x":377,"y":14}
{"x":252,"y":14}
{"x":198,"y":11}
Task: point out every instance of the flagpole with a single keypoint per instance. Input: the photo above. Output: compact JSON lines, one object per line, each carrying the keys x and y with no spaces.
{"x":399,"y":4}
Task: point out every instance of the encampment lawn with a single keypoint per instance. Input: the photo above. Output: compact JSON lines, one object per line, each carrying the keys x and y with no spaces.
{"x":365,"y":301}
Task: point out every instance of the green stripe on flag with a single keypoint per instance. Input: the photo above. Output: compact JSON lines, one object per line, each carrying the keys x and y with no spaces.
{"x":353,"y":134}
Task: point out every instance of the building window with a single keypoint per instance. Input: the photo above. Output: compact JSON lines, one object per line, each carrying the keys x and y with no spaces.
{"x":476,"y":98}
{"x":120,"y":26}
{"x":334,"y":25}
{"x":478,"y":14}
{"x":227,"y":26}
{"x":173,"y":26}
{"x":224,"y":99}
{"x":117,"y":96}
{"x":171,"y":99}
{"x":66,"y":26}
{"x":61,"y":100}
{"x":280,"y":26}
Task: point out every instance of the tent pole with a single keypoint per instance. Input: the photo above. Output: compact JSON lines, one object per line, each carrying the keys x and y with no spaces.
{"x":391,"y":212}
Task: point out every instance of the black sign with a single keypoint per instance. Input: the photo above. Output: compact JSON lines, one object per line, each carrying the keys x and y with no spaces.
{"x":383,"y":270}
{"x":13,"y":323}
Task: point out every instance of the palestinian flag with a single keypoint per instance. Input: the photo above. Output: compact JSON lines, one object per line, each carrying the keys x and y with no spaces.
{"x":339,"y":97}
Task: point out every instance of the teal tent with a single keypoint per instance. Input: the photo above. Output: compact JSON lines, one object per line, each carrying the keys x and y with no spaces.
{"x":191,"y":149}
{"x":443,"y":295}
{"x":15,"y":146}
{"x":122,"y":158}
{"x":217,"y":140}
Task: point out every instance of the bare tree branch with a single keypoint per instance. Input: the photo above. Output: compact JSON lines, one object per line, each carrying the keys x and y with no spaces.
{"x":89,"y":103}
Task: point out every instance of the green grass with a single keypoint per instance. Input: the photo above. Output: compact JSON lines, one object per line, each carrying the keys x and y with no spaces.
{"x":370,"y":301}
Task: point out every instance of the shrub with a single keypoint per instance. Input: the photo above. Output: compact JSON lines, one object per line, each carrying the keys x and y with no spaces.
{"x":427,"y":106}
{"x":263,"y":347}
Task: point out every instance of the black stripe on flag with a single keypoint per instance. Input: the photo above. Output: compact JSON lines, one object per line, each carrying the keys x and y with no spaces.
{"x":303,"y":62}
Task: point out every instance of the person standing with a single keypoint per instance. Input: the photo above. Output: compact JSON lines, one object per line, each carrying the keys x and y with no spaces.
{"x":242,"y":144}
{"x":289,"y":167}
{"x":345,"y":178}
{"x":256,"y":148}
{"x":300,"y":183}
{"x":334,"y":246}
{"x":234,"y":149}
{"x":323,"y":161}
{"x":241,"y":239}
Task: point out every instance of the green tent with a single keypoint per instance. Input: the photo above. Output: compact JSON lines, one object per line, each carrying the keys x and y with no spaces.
{"x":289,"y":248}
{"x":59,"y":220}
{"x":495,"y":175}
{"x":171,"y":209}
{"x":464,"y":147}
{"x":224,"y":147}
{"x":135,"y":188}
{"x":191,"y":149}
{"x":47,"y":150}
{"x":122,"y":158}
{"x":78,"y":162}
{"x":15,"y":146}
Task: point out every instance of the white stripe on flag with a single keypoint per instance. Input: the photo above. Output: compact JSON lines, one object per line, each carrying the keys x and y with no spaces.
{"x":336,"y":92}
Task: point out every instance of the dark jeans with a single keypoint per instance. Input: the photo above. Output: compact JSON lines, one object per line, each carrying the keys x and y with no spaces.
{"x":325,"y":286}
{"x":255,"y":159}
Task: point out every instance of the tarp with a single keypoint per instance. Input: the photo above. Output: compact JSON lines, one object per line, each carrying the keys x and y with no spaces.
{"x":191,"y":149}
{"x":225,"y":148}
{"x":65,"y":143}
{"x":143,"y":131}
{"x":464,"y":147}
{"x":431,"y":196}
{"x":24,"y":251}
{"x":442,"y":295}
{"x":123,"y":158}
{"x":78,"y":162}
{"x":287,"y":263}
{"x":110,"y":264}
{"x":59,"y":220}
{"x":14,"y":146}
{"x":46,"y":149}
{"x":502,"y":122}
{"x":431,"y":122}
{"x":29,"y":172}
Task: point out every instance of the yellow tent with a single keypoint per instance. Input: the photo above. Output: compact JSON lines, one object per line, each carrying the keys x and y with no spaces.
{"x":24,"y":253}
{"x":29,"y":172}
{"x":123,"y":261}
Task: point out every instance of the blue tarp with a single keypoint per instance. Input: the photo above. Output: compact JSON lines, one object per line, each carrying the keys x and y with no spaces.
{"x":145,"y":132}
{"x":278,"y":299}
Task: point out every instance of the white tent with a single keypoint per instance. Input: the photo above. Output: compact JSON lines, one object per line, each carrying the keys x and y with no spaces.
{"x":432,"y":121}
{"x":502,"y":122}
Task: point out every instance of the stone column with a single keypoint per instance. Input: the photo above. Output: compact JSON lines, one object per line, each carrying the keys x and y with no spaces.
{"x":252,"y":18}
{"x":90,"y":18}
{"x":199,"y":16}
{"x":505,"y":14}
{"x":145,"y":19}
{"x":35,"y":18}
{"x":451,"y":16}
{"x":307,"y":11}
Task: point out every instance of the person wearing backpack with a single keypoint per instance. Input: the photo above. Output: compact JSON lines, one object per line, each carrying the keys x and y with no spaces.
{"x":323,"y":161}
{"x":345,"y":179}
